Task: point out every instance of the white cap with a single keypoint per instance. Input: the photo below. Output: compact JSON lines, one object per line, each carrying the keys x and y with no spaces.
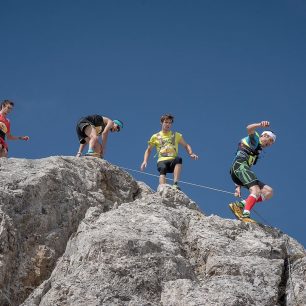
{"x":270,"y":133}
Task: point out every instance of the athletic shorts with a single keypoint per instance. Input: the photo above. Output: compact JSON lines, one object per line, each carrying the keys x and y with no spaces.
{"x":3,"y":144}
{"x":80,"y":128}
{"x":242,"y":175}
{"x":167,"y":166}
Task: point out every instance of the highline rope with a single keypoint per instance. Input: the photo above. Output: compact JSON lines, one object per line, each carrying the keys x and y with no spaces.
{"x":187,"y":183}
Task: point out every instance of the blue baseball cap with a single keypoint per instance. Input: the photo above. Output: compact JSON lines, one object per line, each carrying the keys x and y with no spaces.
{"x":119,"y":123}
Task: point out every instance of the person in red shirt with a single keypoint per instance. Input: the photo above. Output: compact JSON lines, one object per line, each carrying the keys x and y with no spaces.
{"x":5,"y":127}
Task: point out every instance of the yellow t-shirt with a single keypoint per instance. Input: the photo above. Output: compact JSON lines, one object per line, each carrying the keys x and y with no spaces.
{"x":164,"y":144}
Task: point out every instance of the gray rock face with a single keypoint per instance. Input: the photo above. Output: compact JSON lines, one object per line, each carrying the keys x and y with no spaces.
{"x":42,"y":203}
{"x":83,"y":232}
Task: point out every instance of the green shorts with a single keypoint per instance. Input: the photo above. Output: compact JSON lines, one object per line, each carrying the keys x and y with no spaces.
{"x":242,"y":175}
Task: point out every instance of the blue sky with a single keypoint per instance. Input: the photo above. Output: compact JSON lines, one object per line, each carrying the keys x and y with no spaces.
{"x":215,"y":65}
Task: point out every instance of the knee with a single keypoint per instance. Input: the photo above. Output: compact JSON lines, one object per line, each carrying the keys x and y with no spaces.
{"x":255,"y":190}
{"x":163,"y":172}
{"x":267,"y":191}
{"x":94,"y":138}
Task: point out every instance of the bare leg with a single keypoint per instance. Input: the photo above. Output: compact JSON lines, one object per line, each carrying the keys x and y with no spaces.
{"x":98,"y":148}
{"x":162,"y":179}
{"x":93,"y":137}
{"x":267,"y":192}
{"x":237,"y":191}
{"x":255,"y":190}
{"x":3,"y":151}
{"x":251,"y":200}
{"x":177,"y":172}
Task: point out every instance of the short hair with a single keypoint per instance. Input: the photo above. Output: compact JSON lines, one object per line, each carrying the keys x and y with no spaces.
{"x":6,"y":102}
{"x":166,"y":117}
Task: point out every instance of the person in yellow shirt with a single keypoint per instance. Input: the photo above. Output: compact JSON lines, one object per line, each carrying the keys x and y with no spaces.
{"x":166,"y":143}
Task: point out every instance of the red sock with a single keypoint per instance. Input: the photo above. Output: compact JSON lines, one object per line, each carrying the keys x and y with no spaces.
{"x":250,"y":202}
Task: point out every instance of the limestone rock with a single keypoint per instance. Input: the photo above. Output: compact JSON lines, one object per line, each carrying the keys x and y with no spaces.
{"x":105,"y":239}
{"x":42,"y":203}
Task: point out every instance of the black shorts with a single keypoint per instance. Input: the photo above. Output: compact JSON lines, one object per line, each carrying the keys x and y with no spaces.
{"x":167,"y":166}
{"x":80,"y":128}
{"x":242,"y":175}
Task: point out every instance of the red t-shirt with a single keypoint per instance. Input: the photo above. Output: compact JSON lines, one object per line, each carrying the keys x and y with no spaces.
{"x":5,"y":126}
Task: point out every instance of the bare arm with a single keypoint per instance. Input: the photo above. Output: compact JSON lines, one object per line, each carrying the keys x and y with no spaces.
{"x":104,"y":135}
{"x":188,"y":149}
{"x":146,"y":157}
{"x":81,"y":148}
{"x":252,"y":127}
{"x":11,"y":137}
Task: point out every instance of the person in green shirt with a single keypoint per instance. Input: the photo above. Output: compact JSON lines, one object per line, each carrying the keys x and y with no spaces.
{"x":247,"y":154}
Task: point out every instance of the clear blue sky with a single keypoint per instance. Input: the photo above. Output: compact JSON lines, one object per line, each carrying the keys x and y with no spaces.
{"x":215,"y":65}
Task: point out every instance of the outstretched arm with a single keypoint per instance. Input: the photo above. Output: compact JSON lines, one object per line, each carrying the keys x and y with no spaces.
{"x":11,"y":137}
{"x":252,"y":127}
{"x":188,"y":149}
{"x":146,"y":157}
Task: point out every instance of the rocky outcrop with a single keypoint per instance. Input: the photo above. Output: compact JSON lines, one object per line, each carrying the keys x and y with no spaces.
{"x":42,"y":204}
{"x":83,"y":232}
